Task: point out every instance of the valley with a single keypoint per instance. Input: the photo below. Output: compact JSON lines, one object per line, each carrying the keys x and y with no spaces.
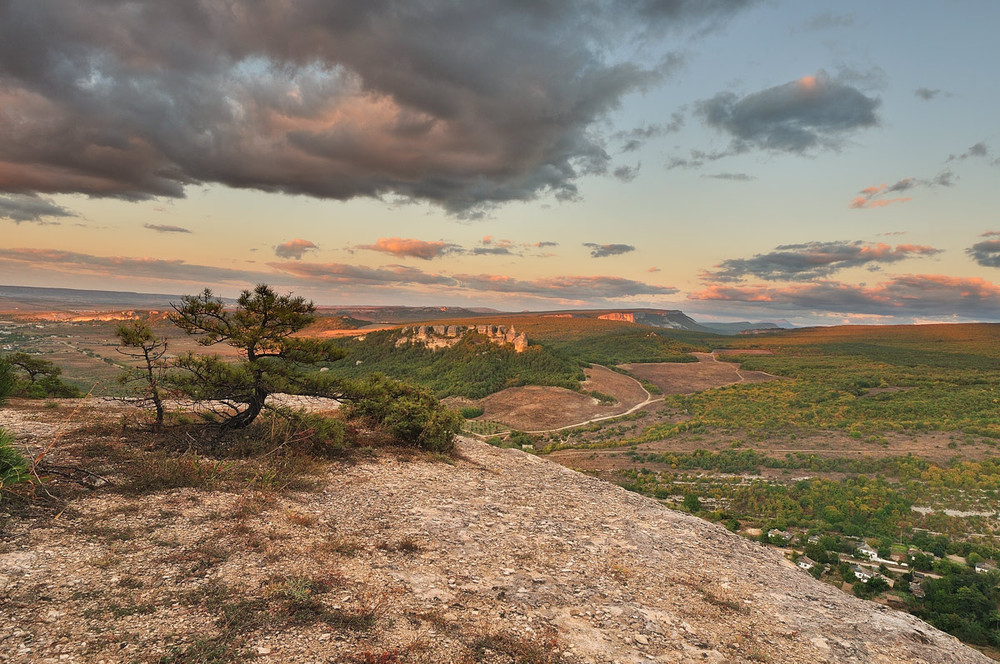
{"x":817,"y":442}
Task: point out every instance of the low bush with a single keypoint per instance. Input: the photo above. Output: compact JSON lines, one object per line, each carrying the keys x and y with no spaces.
{"x":470,"y":412}
{"x":13,"y":465}
{"x":408,"y":414}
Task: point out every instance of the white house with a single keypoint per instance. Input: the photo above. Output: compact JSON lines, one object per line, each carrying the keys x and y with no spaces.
{"x":867,"y":552}
{"x":806,"y":563}
{"x":861,"y":573}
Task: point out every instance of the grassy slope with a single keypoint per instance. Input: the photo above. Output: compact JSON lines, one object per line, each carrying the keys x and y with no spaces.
{"x":475,"y":367}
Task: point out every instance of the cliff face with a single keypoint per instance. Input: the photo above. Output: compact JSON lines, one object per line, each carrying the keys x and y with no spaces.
{"x":445,"y":336}
{"x":492,"y":558}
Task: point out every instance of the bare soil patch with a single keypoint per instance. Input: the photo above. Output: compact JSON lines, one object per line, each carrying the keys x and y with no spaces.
{"x":535,"y":408}
{"x":937,"y":447}
{"x":621,"y":387}
{"x":690,"y":377}
{"x":742,"y":351}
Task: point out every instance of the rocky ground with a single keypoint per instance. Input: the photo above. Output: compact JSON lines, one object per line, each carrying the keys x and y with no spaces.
{"x":493,"y":556}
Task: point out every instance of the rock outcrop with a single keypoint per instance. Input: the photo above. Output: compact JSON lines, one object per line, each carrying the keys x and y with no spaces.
{"x":445,"y":336}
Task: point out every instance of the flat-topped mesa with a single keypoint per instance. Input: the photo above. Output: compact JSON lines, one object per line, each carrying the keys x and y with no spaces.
{"x":446,"y":336}
{"x":619,"y":316}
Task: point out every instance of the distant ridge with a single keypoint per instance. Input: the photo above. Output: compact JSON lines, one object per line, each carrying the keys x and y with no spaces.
{"x":736,"y":328}
{"x":30,"y":298}
{"x":33,"y":299}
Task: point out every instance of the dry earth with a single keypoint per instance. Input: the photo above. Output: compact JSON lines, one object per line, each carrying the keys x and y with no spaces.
{"x":935,"y":446}
{"x":534,"y":408}
{"x":498,"y":556}
{"x":687,"y":378}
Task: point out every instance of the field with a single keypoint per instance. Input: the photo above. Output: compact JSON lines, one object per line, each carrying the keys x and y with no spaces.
{"x":708,"y":373}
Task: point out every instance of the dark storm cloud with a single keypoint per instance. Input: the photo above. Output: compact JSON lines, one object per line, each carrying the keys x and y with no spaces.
{"x":164,"y":228}
{"x":29,"y":207}
{"x":813,"y":260}
{"x":915,"y":295}
{"x":465,"y":105}
{"x":605,"y":250}
{"x":986,"y":252}
{"x":812,"y":113}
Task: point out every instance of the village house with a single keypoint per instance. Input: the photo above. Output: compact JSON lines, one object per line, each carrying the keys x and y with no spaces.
{"x":861,"y":573}
{"x":806,"y":563}
{"x":867,"y":552}
{"x":985,"y":567}
{"x":782,"y":536}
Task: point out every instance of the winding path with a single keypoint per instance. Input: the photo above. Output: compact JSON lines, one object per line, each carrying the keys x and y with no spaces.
{"x":649,"y":399}
{"x":702,"y":357}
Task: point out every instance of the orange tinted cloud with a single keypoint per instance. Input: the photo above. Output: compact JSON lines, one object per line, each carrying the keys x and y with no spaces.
{"x":410,"y":248}
{"x":860,"y":202}
{"x":903,"y":295}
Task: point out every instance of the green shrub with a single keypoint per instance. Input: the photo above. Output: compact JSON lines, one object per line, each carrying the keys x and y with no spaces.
{"x":410,"y":415}
{"x":13,"y":465}
{"x":470,"y":412}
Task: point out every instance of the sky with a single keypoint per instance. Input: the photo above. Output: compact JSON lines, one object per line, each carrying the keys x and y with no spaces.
{"x":819,"y":162}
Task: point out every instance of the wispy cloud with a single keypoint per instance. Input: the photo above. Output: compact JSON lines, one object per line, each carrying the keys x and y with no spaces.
{"x":360,"y":280}
{"x":813,"y":260}
{"x":578,"y":288}
{"x":927,"y":93}
{"x":76,"y":263}
{"x":627,"y":173}
{"x":980,"y":149}
{"x":736,"y":177}
{"x":359,"y":275}
{"x":410,"y":248}
{"x":931,"y":296}
{"x":294,"y":249}
{"x":164,"y":228}
{"x":828,"y":20}
{"x":635,"y":138}
{"x":880,"y":195}
{"x":563,"y":288}
{"x":605,"y":250}
{"x":30,"y":207}
{"x":491,"y":246}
